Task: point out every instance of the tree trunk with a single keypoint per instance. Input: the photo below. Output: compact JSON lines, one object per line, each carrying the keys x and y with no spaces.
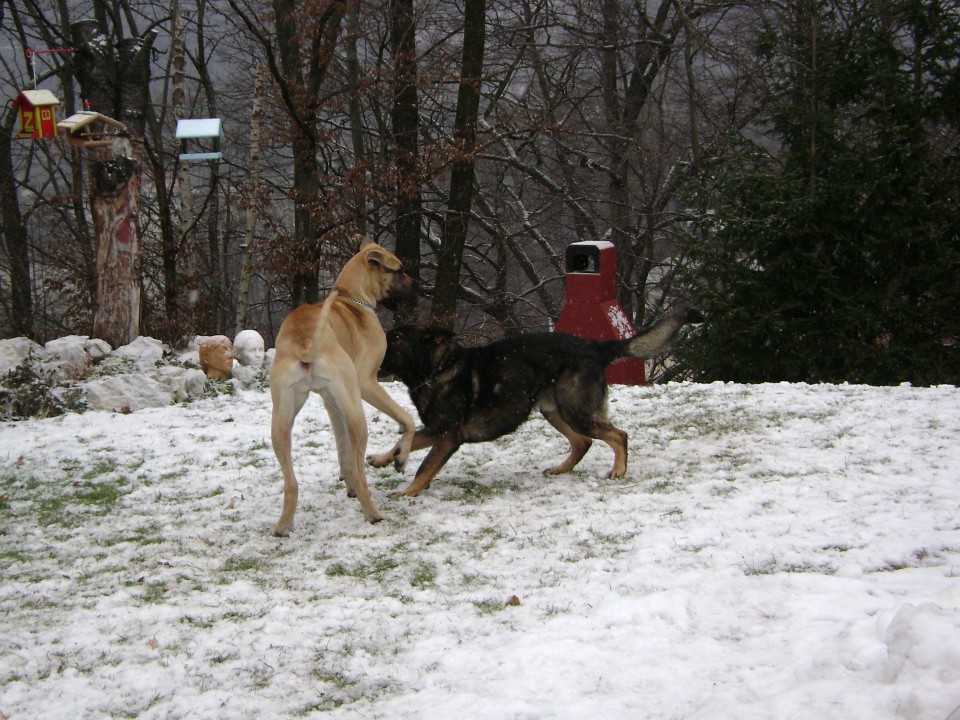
{"x":116,"y":86}
{"x":218,"y":317}
{"x":15,"y":235}
{"x":623,"y":120}
{"x":450,"y":257}
{"x":182,"y":241}
{"x":115,"y":208}
{"x":243,"y":295}
{"x":406,"y":129}
{"x":301,"y":92}
{"x":356,"y":111}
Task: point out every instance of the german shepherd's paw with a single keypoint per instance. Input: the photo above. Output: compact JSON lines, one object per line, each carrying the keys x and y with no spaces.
{"x":394,"y":455}
{"x":382,"y":459}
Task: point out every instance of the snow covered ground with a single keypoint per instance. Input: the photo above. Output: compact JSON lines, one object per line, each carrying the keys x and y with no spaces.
{"x":775,"y":552}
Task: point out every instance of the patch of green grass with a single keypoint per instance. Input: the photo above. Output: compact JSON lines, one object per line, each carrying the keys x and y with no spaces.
{"x":153,"y":593}
{"x":146,"y":535}
{"x":204,"y":623}
{"x":334,"y":678}
{"x":613,"y":539}
{"x":768,"y":566}
{"x":18,"y":484}
{"x":724,"y":490}
{"x":219,"y":658}
{"x":424,"y":574}
{"x":71,"y":466}
{"x":103,"y":496}
{"x":242,"y":564}
{"x":375,"y":566}
{"x":473,"y":492}
{"x":472,"y":579}
{"x":11,"y":557}
{"x":489,"y":606}
{"x":554,"y":610}
{"x":102,"y":467}
{"x":70,"y":508}
{"x":443,"y":538}
{"x":662,"y":486}
{"x":772,"y":566}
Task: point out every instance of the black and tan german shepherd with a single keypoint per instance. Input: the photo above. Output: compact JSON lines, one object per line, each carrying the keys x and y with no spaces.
{"x":475,"y":394}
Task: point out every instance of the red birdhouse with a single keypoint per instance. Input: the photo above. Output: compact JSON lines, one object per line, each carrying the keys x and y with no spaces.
{"x":592,"y":311}
{"x":38,"y":116}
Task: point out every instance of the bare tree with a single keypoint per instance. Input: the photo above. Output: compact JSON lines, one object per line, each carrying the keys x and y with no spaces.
{"x":576,"y":121}
{"x":405,"y":113}
{"x":19,"y":311}
{"x":456,"y":224}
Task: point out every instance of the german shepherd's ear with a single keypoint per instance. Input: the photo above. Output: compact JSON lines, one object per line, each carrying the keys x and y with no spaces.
{"x":384,"y":260}
{"x":362,"y":241}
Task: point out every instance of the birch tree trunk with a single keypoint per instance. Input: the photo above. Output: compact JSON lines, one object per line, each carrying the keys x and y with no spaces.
{"x":184,"y":246}
{"x":243,"y":295}
{"x":356,"y":109}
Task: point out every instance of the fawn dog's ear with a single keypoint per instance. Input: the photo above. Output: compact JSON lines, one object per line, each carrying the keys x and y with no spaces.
{"x":385,"y":260}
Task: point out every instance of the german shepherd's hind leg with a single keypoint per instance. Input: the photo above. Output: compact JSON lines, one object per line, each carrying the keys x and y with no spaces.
{"x":579,"y":444}
{"x":287,"y":403}
{"x":617,"y":440}
{"x":599,"y":428}
{"x":588,"y":416}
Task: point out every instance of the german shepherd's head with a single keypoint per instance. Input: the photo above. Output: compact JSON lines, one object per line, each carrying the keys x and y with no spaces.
{"x":413,"y":354}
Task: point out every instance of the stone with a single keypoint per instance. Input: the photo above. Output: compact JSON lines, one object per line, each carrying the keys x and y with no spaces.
{"x":184,"y":383}
{"x":145,"y":352}
{"x":15,"y":350}
{"x":126,"y":393}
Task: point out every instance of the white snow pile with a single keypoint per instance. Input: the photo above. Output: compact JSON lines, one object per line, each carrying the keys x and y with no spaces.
{"x":775,"y":551}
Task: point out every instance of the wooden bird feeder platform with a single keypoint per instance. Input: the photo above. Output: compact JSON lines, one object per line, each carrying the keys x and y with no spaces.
{"x":89,"y":129}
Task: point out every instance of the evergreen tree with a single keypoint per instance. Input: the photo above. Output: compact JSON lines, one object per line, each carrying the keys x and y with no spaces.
{"x":835,"y":256}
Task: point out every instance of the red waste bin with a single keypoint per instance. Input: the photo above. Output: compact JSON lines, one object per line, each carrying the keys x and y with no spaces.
{"x":592,"y":311}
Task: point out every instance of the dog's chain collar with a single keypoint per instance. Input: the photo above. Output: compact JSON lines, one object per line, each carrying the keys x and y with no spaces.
{"x":361,"y":303}
{"x":426,"y":384}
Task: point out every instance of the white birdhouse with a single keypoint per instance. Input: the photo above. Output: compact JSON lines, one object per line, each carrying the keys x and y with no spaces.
{"x":203,"y":135}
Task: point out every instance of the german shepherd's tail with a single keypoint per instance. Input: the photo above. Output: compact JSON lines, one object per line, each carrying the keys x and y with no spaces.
{"x":320,"y":331}
{"x":653,"y":339}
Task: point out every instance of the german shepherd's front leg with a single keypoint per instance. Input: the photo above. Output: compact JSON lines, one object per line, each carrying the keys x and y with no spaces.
{"x":442,"y":448}
{"x":421,"y":440}
{"x":374,"y":394}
